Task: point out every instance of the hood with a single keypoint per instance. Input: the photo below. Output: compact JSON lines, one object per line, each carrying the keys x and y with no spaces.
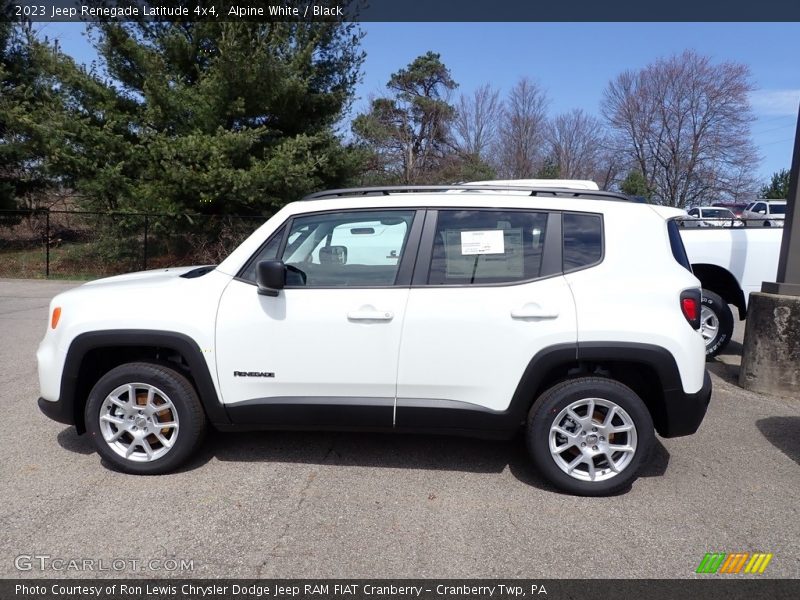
{"x":154,"y":276}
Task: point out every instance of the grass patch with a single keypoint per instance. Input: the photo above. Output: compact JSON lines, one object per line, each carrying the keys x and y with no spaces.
{"x":67,"y":261}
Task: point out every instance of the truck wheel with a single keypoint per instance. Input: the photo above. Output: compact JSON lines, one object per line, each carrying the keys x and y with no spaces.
{"x":589,"y":436}
{"x":716,"y":323}
{"x":144,"y":418}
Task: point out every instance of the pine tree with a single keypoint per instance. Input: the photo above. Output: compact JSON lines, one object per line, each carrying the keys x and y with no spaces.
{"x":408,"y":131}
{"x":213,"y":117}
{"x":24,"y":100}
{"x":778,"y":186}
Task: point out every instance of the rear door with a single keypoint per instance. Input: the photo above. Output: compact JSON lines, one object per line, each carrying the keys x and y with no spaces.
{"x":487,"y":295}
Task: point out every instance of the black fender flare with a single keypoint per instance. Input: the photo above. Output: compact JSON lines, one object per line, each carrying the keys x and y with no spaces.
{"x":116,"y":338}
{"x":668,"y":417}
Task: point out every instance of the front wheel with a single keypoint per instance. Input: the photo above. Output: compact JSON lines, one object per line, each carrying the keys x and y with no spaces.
{"x":716,"y":323}
{"x":144,"y":418}
{"x":589,"y":436}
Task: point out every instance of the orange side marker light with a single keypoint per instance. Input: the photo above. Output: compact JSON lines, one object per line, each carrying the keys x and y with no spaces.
{"x":56,"y":316}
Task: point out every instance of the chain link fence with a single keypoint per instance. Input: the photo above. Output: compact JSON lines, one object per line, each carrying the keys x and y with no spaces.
{"x":68,"y":244}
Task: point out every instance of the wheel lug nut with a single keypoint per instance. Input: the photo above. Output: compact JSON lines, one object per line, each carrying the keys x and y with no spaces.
{"x":594,"y":428}
{"x":602,"y":439}
{"x":583,"y":444}
{"x":594,"y":447}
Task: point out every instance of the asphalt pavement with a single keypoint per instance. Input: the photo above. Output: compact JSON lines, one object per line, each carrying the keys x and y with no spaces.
{"x":344,"y":505}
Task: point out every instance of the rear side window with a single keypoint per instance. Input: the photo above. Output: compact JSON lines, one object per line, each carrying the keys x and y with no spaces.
{"x":777,"y":209}
{"x":583,"y":240}
{"x":487,"y":246}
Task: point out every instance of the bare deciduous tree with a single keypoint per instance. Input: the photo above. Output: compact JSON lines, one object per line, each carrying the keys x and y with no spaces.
{"x":685,"y":124}
{"x":520,"y":147}
{"x":475,"y":125}
{"x":580,"y":148}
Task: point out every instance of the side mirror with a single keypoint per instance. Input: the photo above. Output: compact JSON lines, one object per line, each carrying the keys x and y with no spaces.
{"x":270,"y":277}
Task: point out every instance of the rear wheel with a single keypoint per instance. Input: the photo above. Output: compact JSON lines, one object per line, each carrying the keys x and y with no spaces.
{"x":716,"y":322}
{"x":590,"y":436}
{"x":144,"y":418}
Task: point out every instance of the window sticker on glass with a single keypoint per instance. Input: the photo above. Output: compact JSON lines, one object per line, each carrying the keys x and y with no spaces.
{"x":482,"y":242}
{"x":476,"y":257}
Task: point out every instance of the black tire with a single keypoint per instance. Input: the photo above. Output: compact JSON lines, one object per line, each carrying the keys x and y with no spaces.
{"x":549,"y":410}
{"x":173,"y":406}
{"x":716,"y":323}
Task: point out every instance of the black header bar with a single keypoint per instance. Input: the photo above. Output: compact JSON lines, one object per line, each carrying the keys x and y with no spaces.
{"x":711,"y":587}
{"x":404,"y":10}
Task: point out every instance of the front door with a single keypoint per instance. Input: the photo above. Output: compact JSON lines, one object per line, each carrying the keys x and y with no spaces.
{"x":324,"y":351}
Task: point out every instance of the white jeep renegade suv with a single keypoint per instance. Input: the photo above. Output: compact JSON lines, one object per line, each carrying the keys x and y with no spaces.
{"x":473,"y":310}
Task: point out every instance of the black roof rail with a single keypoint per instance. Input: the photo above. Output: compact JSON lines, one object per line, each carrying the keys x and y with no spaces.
{"x":533,"y":191}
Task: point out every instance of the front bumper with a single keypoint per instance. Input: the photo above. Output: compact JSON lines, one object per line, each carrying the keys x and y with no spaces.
{"x":60,"y":411}
{"x":684,"y":412}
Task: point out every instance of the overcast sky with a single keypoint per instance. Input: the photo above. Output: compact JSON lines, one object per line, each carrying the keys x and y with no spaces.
{"x":575,"y":61}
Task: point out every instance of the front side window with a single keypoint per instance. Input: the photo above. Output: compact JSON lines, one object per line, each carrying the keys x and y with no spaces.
{"x":487,"y":246}
{"x":348,"y":249}
{"x":268,"y":251}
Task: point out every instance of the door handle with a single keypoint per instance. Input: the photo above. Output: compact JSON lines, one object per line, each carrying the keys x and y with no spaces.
{"x":534,"y":311}
{"x":370,"y":314}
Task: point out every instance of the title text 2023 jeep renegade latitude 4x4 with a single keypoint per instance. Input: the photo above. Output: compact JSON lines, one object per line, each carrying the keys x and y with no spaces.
{"x":470,"y":310}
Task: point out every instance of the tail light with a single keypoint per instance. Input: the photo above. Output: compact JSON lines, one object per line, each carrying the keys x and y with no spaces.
{"x":690,"y":306}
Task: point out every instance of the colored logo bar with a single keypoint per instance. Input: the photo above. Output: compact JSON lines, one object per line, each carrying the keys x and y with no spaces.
{"x":734,"y":563}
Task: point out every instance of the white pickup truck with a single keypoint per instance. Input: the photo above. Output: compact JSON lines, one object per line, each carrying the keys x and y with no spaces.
{"x":730,"y":263}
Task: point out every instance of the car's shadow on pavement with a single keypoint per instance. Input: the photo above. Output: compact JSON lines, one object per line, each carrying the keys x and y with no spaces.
{"x":79,"y":444}
{"x":783,"y":433}
{"x":407,"y":451}
{"x":733,"y":348}
{"x":69,"y":439}
{"x":727,"y":364}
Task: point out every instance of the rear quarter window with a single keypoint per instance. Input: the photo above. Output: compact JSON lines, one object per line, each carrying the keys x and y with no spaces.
{"x":583,"y":240}
{"x":676,"y":244}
